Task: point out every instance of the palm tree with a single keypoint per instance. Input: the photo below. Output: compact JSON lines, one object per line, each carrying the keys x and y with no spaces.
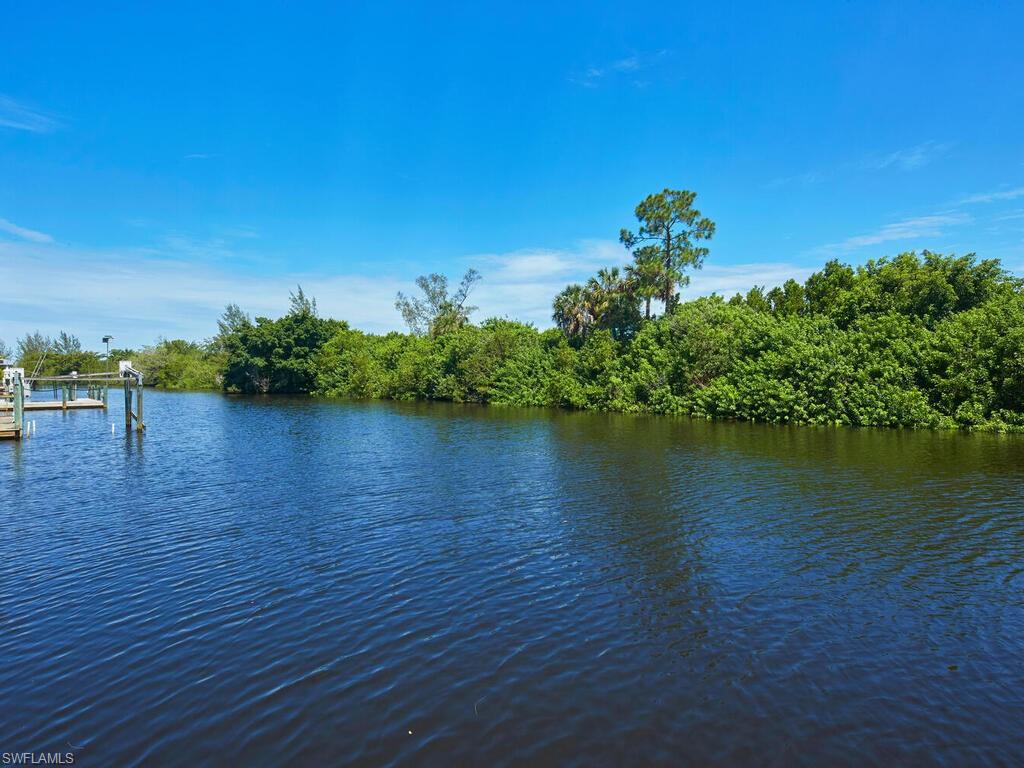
{"x":646,"y":273}
{"x":573,"y":311}
{"x":614,"y":302}
{"x":601,"y":291}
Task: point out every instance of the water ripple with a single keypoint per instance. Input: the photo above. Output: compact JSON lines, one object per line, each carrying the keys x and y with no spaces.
{"x":290,"y":581}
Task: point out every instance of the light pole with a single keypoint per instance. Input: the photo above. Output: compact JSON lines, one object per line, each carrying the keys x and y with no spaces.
{"x":107,"y":340}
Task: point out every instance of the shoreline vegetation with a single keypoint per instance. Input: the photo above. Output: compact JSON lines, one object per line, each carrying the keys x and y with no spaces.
{"x":927,"y":341}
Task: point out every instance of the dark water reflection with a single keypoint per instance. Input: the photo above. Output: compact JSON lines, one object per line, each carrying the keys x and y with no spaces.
{"x":268,"y":581}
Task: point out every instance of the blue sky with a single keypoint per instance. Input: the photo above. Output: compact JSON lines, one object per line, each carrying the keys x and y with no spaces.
{"x":159,"y":162}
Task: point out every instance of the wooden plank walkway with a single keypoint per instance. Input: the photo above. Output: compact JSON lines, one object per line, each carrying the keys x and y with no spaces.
{"x":8,"y":430}
{"x":54,"y":405}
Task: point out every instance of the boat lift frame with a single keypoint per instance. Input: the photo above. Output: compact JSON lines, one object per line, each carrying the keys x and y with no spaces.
{"x":131,"y":377}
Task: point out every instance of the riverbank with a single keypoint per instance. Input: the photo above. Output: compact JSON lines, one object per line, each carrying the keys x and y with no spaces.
{"x":992,"y":428}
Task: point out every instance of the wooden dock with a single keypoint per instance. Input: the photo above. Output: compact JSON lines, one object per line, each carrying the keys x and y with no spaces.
{"x":11,"y":426}
{"x":14,"y":404}
{"x":56,"y":405}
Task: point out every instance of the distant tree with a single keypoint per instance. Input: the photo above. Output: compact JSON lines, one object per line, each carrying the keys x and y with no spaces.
{"x":300,"y":304}
{"x":827,"y":289}
{"x":180,"y":364}
{"x":608,"y":301}
{"x":66,"y":344}
{"x":977,"y":362}
{"x":755,"y":299}
{"x":229,"y":327}
{"x":32,"y":348}
{"x":572,"y":312}
{"x":788,"y":299}
{"x":647,"y":273}
{"x":5,"y":351}
{"x":673,"y":228}
{"x":232,"y":320}
{"x":929,"y":287}
{"x":437,"y":312}
{"x":613,"y":303}
{"x":122,"y":353}
{"x":38,"y":353}
{"x":273,"y":355}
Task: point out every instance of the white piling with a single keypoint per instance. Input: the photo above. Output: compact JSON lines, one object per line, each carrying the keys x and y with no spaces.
{"x":111,"y":429}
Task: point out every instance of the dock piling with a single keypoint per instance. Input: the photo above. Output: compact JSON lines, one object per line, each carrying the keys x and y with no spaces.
{"x":19,"y":405}
{"x":139,"y":423}
{"x":127,"y":406}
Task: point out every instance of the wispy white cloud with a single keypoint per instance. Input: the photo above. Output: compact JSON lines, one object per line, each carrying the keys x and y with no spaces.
{"x":242,"y":232}
{"x":907,"y":229}
{"x":140,"y":294}
{"x":194,"y":248}
{"x":740,"y":278}
{"x":24,"y":233}
{"x":21,"y":117}
{"x":906,"y":159}
{"x":179,"y":287}
{"x":802,"y":179}
{"x":521,"y":284}
{"x":516,"y":266}
{"x":593,"y":76}
{"x":991,"y":197}
{"x":909,"y":158}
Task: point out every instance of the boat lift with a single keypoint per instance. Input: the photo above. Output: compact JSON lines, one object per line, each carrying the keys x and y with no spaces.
{"x":130,"y":375}
{"x":15,"y":387}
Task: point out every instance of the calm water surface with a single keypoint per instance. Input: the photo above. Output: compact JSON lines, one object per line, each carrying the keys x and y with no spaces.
{"x":262,"y":581}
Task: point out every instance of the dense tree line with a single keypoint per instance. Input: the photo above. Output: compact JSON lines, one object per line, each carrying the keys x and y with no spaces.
{"x":169,"y":364}
{"x":274,"y":355}
{"x":50,"y":356}
{"x":929,"y":341}
{"x":925,"y":340}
